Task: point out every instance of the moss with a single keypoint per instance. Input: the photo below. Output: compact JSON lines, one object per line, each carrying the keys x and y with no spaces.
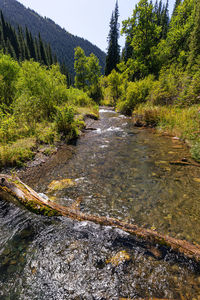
{"x":41,"y":209}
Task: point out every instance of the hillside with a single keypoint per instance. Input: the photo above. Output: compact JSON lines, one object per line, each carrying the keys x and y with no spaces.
{"x":61,"y":41}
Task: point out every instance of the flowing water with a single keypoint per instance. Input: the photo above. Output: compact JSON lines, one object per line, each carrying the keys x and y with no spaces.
{"x":118,"y":171}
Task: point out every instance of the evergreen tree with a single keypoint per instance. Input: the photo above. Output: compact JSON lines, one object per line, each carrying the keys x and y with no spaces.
{"x":165,"y":20}
{"x":43,"y":54}
{"x":195,"y":37}
{"x":4,"y":27}
{"x":113,"y":53}
{"x":177,"y":2}
{"x":22,"y":50}
{"x":30,"y":44}
{"x":22,"y":46}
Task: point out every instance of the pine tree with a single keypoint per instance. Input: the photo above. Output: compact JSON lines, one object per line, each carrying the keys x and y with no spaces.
{"x":43,"y":54}
{"x":22,"y":50}
{"x":177,"y":2}
{"x":165,"y":20}
{"x":113,"y":54}
{"x":4,"y":27}
{"x":195,"y":37}
{"x":30,"y":44}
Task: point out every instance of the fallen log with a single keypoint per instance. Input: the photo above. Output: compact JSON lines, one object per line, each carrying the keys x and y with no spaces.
{"x":13,"y":189}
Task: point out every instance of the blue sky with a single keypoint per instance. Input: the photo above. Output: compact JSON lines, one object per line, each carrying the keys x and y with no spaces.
{"x":85,"y":18}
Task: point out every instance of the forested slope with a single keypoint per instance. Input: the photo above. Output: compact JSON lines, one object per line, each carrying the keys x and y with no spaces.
{"x":61,"y":41}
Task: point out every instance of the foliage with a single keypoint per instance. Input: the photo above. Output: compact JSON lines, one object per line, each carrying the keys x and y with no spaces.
{"x":77,"y":97}
{"x":61,"y":41}
{"x":81,"y":68}
{"x":176,"y":46}
{"x":195,"y":150}
{"x":195,"y":37}
{"x":87,"y":74}
{"x":46,"y":133}
{"x":65,"y":123}
{"x":113,"y":53}
{"x":9,"y":70}
{"x":39,"y":109}
{"x":135,"y":93}
{"x":39,"y":91}
{"x":142,"y":33}
{"x":181,"y":122}
{"x":22,"y":45}
{"x":112,"y":87}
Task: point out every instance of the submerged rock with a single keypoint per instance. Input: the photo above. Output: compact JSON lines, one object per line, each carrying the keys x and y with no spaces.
{"x":196,"y":180}
{"x":57,"y":185}
{"x":120,"y":257}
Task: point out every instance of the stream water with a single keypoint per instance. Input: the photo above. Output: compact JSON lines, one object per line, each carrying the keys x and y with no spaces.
{"x":118,"y":171}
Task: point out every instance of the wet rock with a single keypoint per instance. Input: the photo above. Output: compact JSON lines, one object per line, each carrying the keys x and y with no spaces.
{"x":90,"y":116}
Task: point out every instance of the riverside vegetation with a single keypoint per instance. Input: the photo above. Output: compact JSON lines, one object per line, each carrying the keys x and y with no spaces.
{"x":37,"y":108}
{"x":157,"y":79}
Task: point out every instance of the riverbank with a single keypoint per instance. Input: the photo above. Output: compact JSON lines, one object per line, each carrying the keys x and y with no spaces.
{"x":33,"y":151}
{"x":182,"y":123}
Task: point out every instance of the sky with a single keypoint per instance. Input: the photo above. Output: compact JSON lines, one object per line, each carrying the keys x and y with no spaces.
{"x":85,"y":18}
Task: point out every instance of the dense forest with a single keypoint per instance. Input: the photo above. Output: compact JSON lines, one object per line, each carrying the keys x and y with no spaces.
{"x":157,"y":78}
{"x":62,"y":42}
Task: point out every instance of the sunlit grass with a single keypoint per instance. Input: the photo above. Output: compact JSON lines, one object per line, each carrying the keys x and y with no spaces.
{"x":181,"y":122}
{"x":18,"y":152}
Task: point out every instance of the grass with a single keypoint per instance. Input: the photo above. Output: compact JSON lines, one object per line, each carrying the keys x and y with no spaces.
{"x":18,"y":152}
{"x":181,"y":122}
{"x":20,"y":146}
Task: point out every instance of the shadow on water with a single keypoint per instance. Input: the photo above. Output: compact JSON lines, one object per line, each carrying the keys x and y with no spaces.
{"x":119,"y":171}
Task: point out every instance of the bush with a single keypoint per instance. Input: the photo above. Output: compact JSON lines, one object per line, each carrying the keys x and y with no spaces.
{"x":45,"y":133}
{"x":195,"y":150}
{"x":77,"y":97}
{"x":170,"y":84}
{"x":40,"y":90}
{"x":65,"y":123}
{"x":9,"y":70}
{"x":135,"y":93}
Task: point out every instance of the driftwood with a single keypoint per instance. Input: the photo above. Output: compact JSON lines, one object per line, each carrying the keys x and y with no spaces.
{"x":12,"y":188}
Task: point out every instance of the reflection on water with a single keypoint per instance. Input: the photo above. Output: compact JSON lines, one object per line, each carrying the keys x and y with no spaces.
{"x":119,"y":171}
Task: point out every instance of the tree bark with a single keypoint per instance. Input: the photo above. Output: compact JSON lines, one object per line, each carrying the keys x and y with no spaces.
{"x":13,"y":189}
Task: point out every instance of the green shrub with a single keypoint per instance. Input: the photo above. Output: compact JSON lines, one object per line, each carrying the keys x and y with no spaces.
{"x":40,"y":89}
{"x":65,"y":123}
{"x":9,"y":70}
{"x":8,"y":128}
{"x":170,"y":84}
{"x":77,"y":97}
{"x":195,"y":150}
{"x":46,"y":133}
{"x":136,"y":92}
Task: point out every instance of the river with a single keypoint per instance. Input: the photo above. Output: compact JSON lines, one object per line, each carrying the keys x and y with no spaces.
{"x":118,"y":171}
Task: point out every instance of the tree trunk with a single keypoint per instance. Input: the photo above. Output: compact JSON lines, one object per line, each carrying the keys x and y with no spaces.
{"x":13,"y":189}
